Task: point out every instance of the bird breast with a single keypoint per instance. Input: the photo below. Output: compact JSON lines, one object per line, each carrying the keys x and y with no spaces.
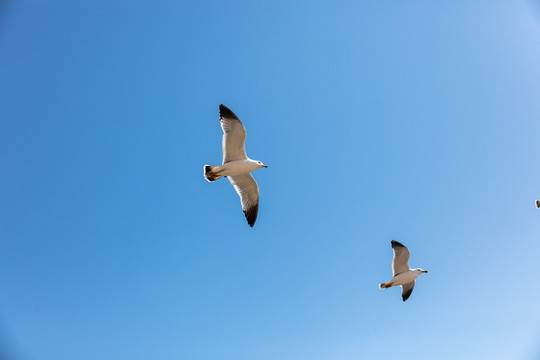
{"x":405,"y":277}
{"x":238,"y":167}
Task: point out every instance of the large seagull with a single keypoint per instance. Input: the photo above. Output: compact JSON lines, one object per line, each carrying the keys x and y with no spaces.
{"x":236,"y":165}
{"x":403,"y":275}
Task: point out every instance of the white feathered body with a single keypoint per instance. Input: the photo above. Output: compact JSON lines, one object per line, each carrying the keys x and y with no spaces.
{"x":403,"y":278}
{"x":237,"y":167}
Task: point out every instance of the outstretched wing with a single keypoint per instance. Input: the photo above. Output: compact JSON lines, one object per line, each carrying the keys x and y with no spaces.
{"x":247,"y":189}
{"x":400,"y":262}
{"x":406,"y":290}
{"x":234,"y":135}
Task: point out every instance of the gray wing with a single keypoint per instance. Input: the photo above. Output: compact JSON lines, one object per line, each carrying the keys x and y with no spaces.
{"x":234,"y":135}
{"x":406,"y":290}
{"x":400,"y":262}
{"x":247,"y":189}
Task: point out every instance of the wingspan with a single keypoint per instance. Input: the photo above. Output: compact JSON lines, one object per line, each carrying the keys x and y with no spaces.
{"x":248,"y":190}
{"x":400,"y":262}
{"x":234,"y":135}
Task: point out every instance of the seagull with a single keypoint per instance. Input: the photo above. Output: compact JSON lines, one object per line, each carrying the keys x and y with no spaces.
{"x":403,"y":275}
{"x":538,"y":204}
{"x":236,"y":165}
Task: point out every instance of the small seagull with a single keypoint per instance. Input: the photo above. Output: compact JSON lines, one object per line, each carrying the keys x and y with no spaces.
{"x":538,"y":204}
{"x":403,"y":275}
{"x":236,"y":165}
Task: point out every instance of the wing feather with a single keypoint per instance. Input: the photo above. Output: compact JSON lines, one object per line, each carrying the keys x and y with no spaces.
{"x":248,"y":190}
{"x":234,"y":135}
{"x":406,"y":290}
{"x":400,"y":262}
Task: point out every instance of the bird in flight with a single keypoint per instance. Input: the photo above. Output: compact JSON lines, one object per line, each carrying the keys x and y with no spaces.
{"x":236,"y":165}
{"x":537,"y":204}
{"x":403,"y":275}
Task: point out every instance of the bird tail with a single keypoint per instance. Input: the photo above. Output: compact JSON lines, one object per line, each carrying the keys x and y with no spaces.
{"x":384,"y":285}
{"x":209,"y":174}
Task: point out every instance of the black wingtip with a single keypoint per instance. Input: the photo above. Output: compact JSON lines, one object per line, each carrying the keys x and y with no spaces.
{"x":407,"y":293}
{"x":397,"y":244}
{"x":406,"y":296}
{"x":226,"y":113}
{"x":251,"y":215}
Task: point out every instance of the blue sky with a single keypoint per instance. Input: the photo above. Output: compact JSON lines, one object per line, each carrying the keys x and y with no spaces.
{"x":413,"y":121}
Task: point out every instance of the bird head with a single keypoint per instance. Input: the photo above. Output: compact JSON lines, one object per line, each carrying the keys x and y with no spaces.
{"x":420,"y":271}
{"x":261,"y":164}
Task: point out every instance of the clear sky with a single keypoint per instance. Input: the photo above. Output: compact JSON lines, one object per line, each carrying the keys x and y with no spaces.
{"x":416,"y":121}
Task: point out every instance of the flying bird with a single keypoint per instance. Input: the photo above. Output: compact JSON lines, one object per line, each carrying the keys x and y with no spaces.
{"x":403,"y":275}
{"x":538,"y":204}
{"x":236,"y":165}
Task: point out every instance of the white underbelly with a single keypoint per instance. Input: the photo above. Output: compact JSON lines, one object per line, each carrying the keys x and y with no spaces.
{"x":404,"y":278}
{"x":236,"y":168}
